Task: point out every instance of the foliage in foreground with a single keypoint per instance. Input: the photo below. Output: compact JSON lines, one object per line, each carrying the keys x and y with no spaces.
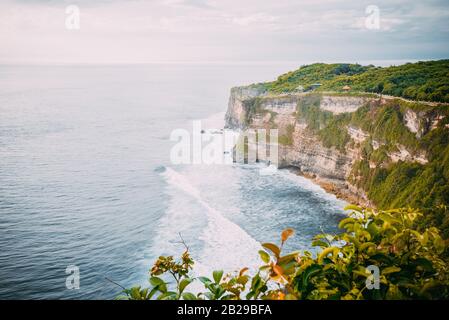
{"x":413,"y":264}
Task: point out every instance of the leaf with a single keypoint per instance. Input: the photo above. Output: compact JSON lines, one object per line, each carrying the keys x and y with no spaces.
{"x":425,"y":264}
{"x":309,"y":272}
{"x":205,"y":280}
{"x":320,"y":243}
{"x":217,"y":274}
{"x":158,"y":284}
{"x":242,"y":272}
{"x":280,"y":279}
{"x":353,"y":208}
{"x":361,"y":273}
{"x":135,"y":293}
{"x":155,"y":281}
{"x":278,"y":270}
{"x":289,"y":257}
{"x":366,"y":245}
{"x":189,"y":296}
{"x":184,"y":283}
{"x":439,"y":244}
{"x":242,"y":280}
{"x":325,"y":252}
{"x":389,"y":218}
{"x":345,"y":221}
{"x":169,"y":295}
{"x":287,"y":233}
{"x":264,"y":256}
{"x":389,"y":270}
{"x":273,"y":248}
{"x":288,"y":266}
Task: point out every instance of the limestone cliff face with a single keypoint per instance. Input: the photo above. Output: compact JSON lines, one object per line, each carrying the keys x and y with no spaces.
{"x":236,"y":113}
{"x":306,"y":152}
{"x":304,"y":149}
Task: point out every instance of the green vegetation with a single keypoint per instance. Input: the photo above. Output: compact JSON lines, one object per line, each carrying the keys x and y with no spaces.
{"x":426,"y":81}
{"x":403,"y":183}
{"x":253,"y":107}
{"x":388,"y":184}
{"x":287,"y":138}
{"x":412,"y":261}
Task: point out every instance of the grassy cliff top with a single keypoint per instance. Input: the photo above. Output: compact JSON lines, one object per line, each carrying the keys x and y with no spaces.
{"x":424,"y":81}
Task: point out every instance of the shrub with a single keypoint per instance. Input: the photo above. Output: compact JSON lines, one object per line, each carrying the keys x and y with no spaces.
{"x":411,"y":259}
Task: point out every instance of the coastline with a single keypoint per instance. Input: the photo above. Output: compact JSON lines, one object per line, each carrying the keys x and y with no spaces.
{"x":344,"y":194}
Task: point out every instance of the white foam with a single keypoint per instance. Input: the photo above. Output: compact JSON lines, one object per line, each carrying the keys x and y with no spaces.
{"x":307,"y":184}
{"x":226,"y":245}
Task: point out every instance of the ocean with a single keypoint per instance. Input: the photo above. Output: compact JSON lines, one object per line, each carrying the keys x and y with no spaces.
{"x":86,"y":179}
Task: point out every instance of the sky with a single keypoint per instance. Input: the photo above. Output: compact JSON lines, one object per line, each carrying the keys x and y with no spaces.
{"x":138,"y":31}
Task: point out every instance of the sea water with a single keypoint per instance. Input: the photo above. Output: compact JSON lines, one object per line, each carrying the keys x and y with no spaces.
{"x":86,"y":179}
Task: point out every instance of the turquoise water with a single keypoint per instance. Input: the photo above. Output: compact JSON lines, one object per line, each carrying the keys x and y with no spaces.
{"x":86,"y":179}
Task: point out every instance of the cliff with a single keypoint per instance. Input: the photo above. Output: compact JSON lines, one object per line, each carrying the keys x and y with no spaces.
{"x":351,"y":144}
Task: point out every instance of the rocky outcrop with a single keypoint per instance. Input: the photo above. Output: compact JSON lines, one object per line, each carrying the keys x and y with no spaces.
{"x":327,"y":166}
{"x":237,"y":112}
{"x":304,"y":149}
{"x":421,"y":122}
{"x":413,"y":122}
{"x":402,"y":154}
{"x":341,"y":104}
{"x":357,"y":134}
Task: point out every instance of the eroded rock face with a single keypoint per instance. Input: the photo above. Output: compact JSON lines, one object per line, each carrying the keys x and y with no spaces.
{"x":304,"y":149}
{"x":357,"y":134}
{"x":413,"y":122}
{"x":236,"y":113}
{"x":306,"y":152}
{"x":282,"y":104}
{"x":309,"y":155}
{"x":337,"y":105}
{"x":421,"y":122}
{"x":404,"y":155}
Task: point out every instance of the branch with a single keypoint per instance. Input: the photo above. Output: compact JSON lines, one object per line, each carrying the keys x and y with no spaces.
{"x":183,"y":242}
{"x":117,"y":284}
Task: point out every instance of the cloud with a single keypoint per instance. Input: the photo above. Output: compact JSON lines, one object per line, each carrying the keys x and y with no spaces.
{"x":135,"y":31}
{"x":257,"y":18}
{"x":189,"y":3}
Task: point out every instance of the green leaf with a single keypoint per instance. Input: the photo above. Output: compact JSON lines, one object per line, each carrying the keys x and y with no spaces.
{"x":184,"y":283}
{"x":345,"y":221}
{"x":361,"y":273}
{"x":389,"y":270}
{"x":189,"y":296}
{"x":158,"y":284}
{"x":425,"y":264}
{"x":366,"y":245}
{"x":155,"y":281}
{"x":326,"y":252}
{"x":169,"y":295}
{"x":289,"y":257}
{"x":205,"y":280}
{"x":273,"y":248}
{"x":217,"y":274}
{"x":320,"y":243}
{"x":353,"y":208}
{"x":309,"y":272}
{"x":264,"y":256}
